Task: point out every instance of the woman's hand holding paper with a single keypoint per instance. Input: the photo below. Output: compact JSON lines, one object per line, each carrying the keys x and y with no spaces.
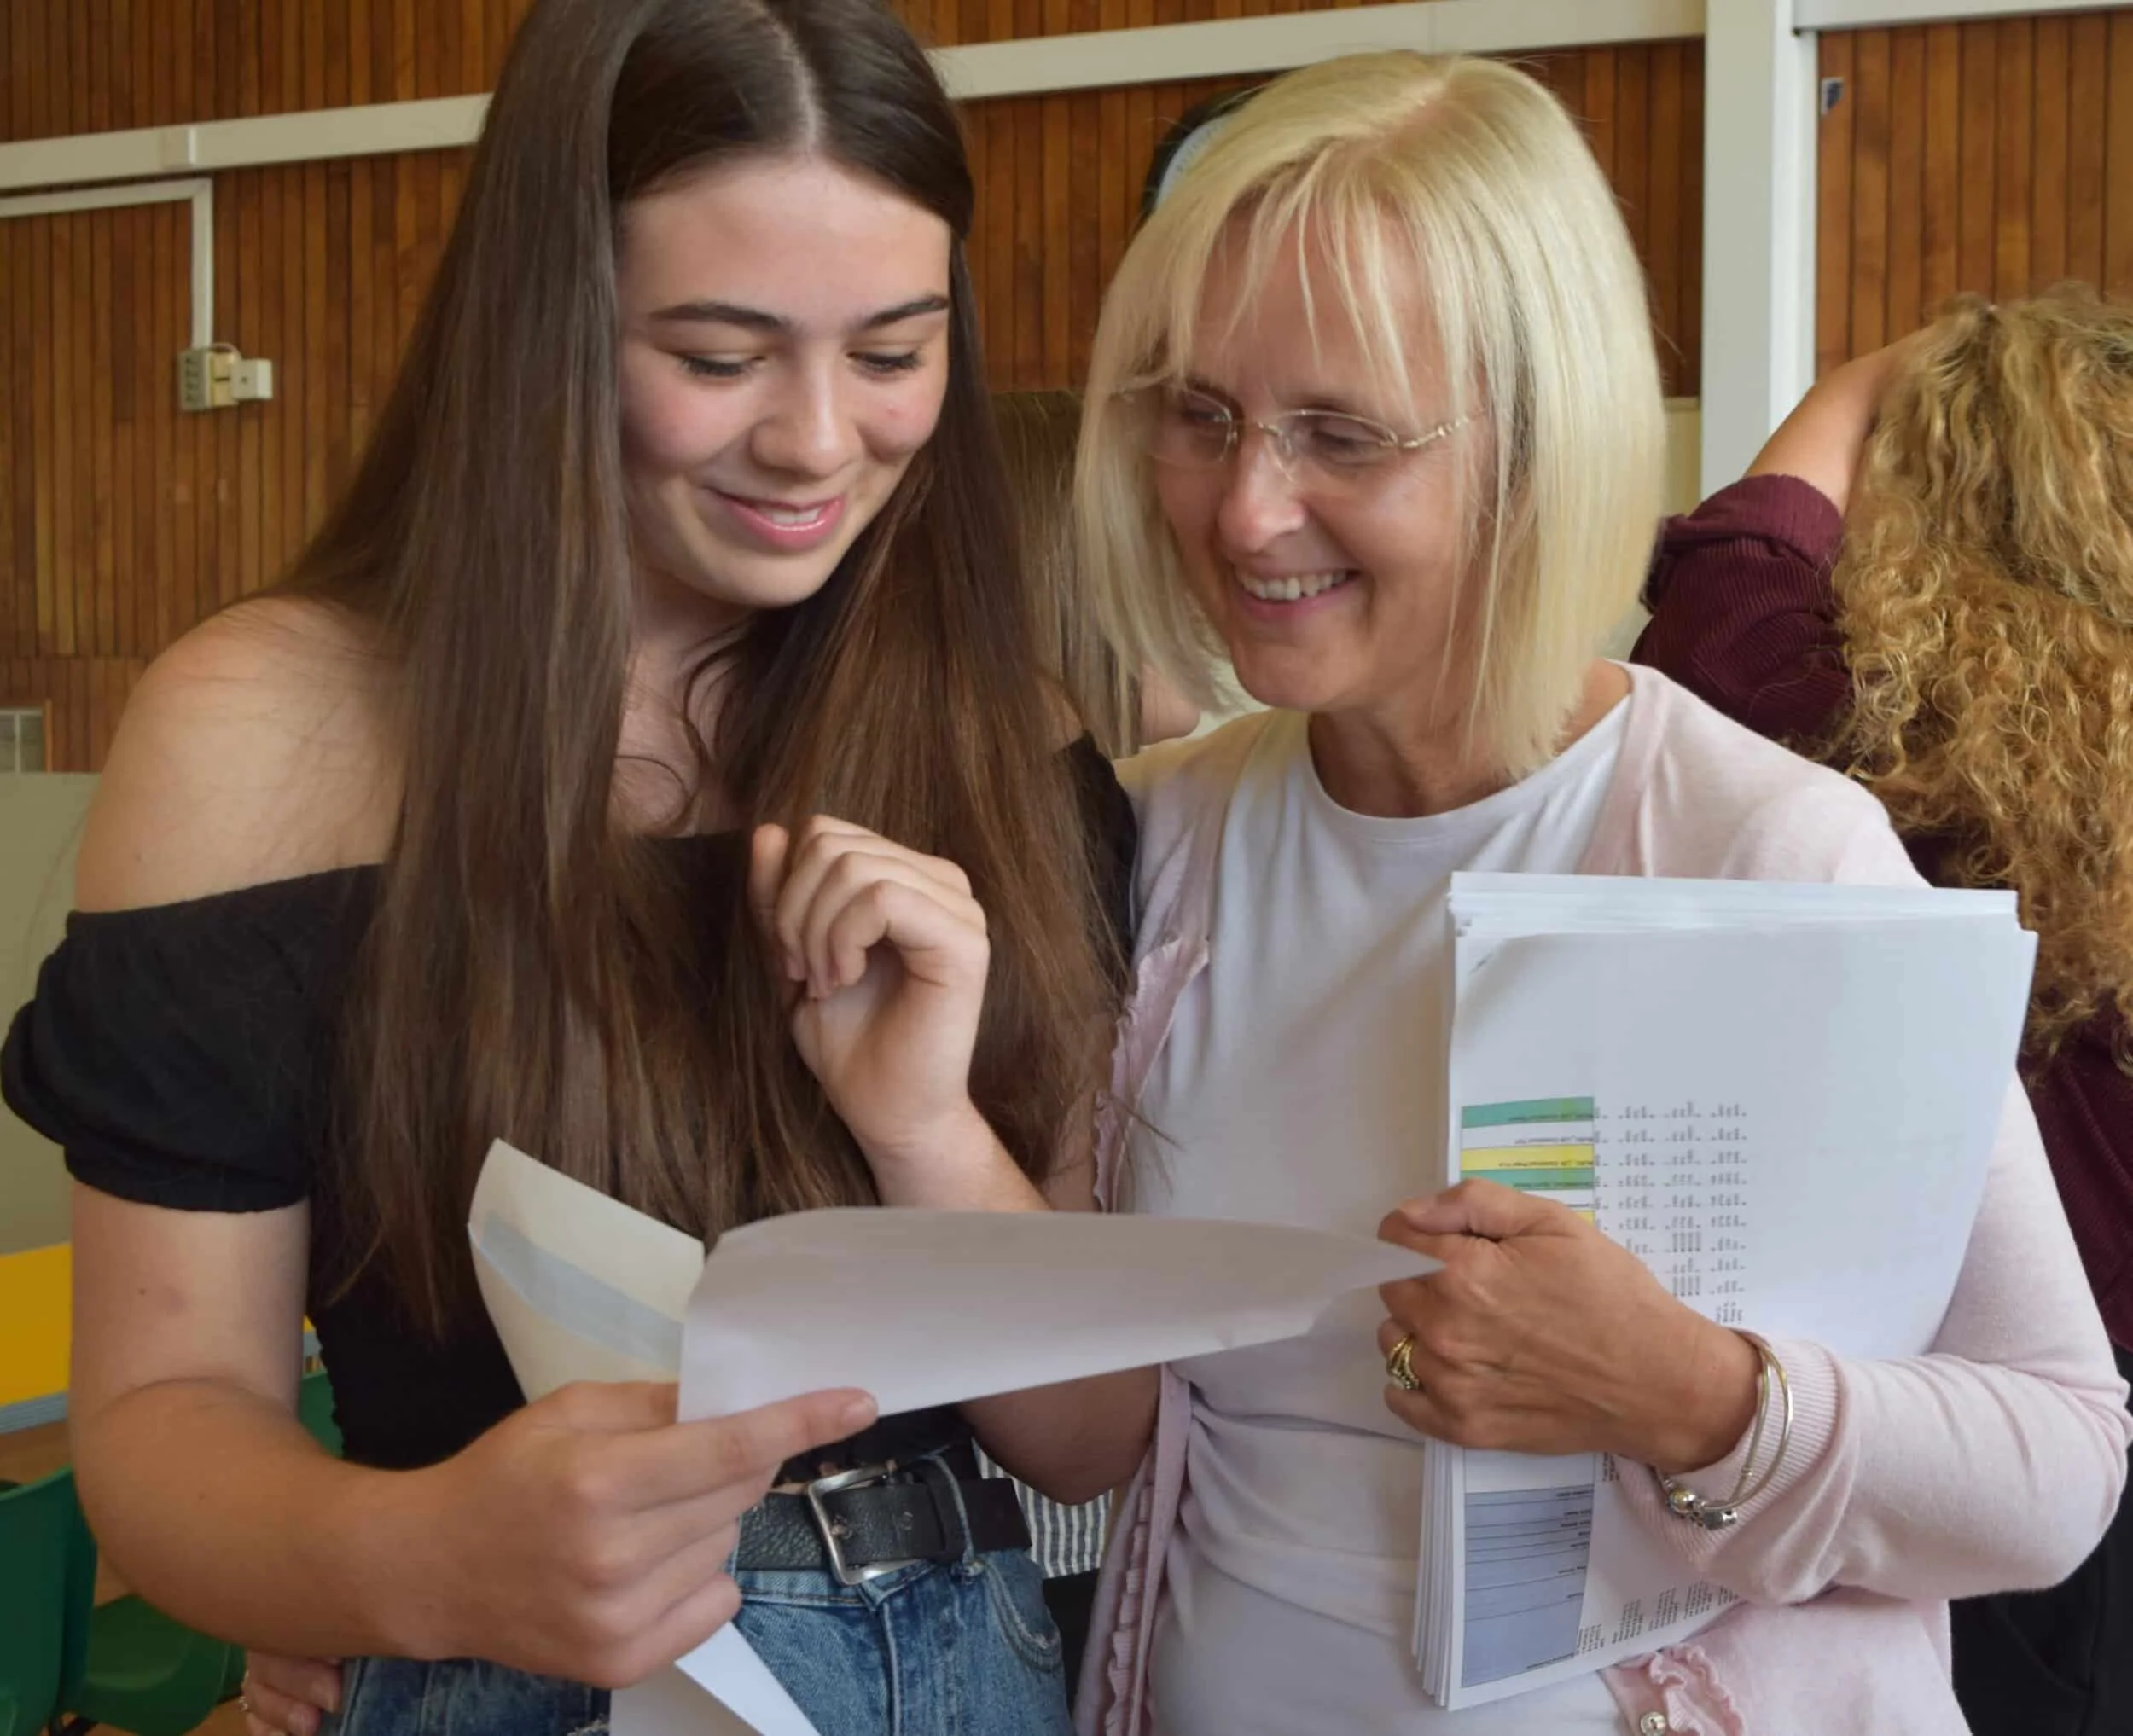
{"x":1540,"y":1335}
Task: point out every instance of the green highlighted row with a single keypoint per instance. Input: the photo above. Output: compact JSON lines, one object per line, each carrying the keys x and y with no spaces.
{"x":1538,"y":1109}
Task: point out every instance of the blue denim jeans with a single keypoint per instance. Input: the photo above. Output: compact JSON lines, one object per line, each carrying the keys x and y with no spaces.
{"x":962,"y":1648}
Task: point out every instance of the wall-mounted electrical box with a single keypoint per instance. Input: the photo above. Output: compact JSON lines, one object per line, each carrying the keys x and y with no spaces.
{"x":219,"y":377}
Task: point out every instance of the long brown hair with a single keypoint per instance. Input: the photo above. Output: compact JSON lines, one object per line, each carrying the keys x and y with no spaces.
{"x":1985,"y":593}
{"x":525,"y":974}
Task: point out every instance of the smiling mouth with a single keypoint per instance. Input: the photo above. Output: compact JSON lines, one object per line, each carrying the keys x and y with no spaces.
{"x":1294,"y":587}
{"x":784,"y":515}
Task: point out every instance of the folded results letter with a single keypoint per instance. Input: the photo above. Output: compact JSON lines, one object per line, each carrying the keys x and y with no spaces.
{"x":917,"y":1308}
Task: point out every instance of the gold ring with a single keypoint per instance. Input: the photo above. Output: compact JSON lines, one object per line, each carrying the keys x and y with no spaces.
{"x":1399,"y":1367}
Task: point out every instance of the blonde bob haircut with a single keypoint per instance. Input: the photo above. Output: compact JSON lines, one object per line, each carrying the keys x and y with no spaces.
{"x":1462,"y":179}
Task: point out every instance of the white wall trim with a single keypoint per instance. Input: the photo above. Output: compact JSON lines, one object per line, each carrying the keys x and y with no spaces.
{"x":1759,"y":266}
{"x":199,"y":192}
{"x":377,"y":129}
{"x":1870,"y":15}
{"x":1163,"y":54}
{"x":1094,"y":60}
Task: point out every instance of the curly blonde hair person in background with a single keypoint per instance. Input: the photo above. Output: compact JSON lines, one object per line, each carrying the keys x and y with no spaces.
{"x":1927,"y":578}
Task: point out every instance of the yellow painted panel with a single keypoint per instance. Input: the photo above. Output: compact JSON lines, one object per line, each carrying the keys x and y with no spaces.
{"x":35,"y":1320}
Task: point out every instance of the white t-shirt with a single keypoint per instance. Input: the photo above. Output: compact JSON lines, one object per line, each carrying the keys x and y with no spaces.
{"x":1302,"y":1083}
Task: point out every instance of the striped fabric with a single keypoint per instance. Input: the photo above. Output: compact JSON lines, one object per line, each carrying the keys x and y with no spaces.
{"x":1063,"y":1539}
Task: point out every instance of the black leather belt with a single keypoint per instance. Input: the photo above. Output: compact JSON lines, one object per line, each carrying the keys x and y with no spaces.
{"x":862,"y":1523}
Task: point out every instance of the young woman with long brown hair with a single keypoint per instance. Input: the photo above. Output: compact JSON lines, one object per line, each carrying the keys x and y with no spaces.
{"x":506,"y":816}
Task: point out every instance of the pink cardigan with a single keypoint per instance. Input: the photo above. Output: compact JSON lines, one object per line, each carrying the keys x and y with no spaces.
{"x":1994,"y":1461}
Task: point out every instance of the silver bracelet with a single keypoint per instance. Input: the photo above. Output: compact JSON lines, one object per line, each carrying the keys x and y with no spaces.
{"x":1684,"y":1502}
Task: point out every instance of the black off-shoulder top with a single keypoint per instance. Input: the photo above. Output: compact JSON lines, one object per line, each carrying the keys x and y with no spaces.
{"x":185,"y":1055}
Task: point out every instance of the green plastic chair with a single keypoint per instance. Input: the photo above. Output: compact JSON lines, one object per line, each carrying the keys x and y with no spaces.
{"x":36,"y":1524}
{"x":136,"y":1669}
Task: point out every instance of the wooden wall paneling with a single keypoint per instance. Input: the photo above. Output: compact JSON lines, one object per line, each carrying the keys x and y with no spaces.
{"x":1029,"y":217}
{"x":453,"y":71}
{"x":496,"y":37}
{"x":102,"y":408}
{"x":1940,"y":267}
{"x":1869,"y":98}
{"x":271,"y":335}
{"x":1977,"y":160}
{"x":202,"y":60}
{"x":133,"y":376}
{"x":387,"y":340}
{"x":1688,"y":337}
{"x":2048,"y":171}
{"x":248,"y":567}
{"x":66,"y":496}
{"x":201,"y":431}
{"x":1085,"y":274}
{"x":362,"y":318}
{"x":997,"y":243}
{"x":46,"y":94}
{"x":1906,"y":180}
{"x":335,"y":358}
{"x":260,"y":27}
{"x":235,"y":39}
{"x":69,"y":34}
{"x":429,"y":37}
{"x":91,"y":433}
{"x":2117,"y":232}
{"x":1028,"y":304}
{"x":160,"y":293}
{"x":138,"y":371}
{"x":1060,"y":253}
{"x":1833,"y":227}
{"x":1993,"y":156}
{"x":192,"y":581}
{"x":78,"y":437}
{"x":313,"y":386}
{"x":219,"y":435}
{"x":289,"y":398}
{"x":95,"y":26}
{"x":74,"y":287}
{"x":1633,"y":145}
{"x":2015,"y":136}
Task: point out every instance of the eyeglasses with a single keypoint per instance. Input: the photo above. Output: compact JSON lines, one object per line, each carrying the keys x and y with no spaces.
{"x":1196,"y":431}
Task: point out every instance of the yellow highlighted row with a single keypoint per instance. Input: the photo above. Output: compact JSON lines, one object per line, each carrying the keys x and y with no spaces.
{"x":1579,"y":1157}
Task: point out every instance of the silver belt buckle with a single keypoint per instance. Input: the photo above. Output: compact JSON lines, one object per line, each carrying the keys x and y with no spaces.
{"x":867,"y":1476}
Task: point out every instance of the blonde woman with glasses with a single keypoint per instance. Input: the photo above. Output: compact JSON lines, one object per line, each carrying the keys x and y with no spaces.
{"x":1374,"y":416}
